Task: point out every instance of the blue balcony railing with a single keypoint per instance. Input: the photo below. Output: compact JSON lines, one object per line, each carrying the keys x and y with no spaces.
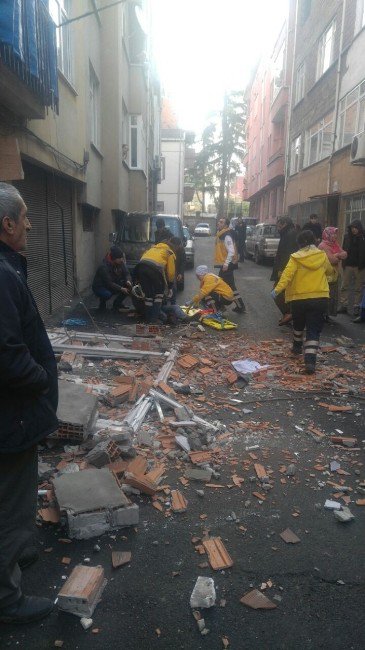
{"x":28,"y":47}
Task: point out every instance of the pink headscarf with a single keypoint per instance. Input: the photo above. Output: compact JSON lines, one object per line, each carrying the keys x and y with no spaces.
{"x":329,"y":238}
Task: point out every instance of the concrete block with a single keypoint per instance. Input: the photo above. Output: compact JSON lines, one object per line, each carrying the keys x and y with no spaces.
{"x":77,"y":411}
{"x":89,"y":490}
{"x":123,"y":517}
{"x":88,"y":524}
{"x":103,"y":453}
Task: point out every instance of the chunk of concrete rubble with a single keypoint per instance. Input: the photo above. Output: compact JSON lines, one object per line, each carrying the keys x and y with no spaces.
{"x":332,"y":505}
{"x":103,"y":453}
{"x":291,"y":470}
{"x":93,"y":503}
{"x":183,"y":442}
{"x":343,"y":515}
{"x":198,"y":475}
{"x":203,"y":594}
{"x":86,"y":622}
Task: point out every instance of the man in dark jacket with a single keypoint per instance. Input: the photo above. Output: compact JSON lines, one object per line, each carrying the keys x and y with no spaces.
{"x":314,"y":226}
{"x":287,"y":246}
{"x":112,"y":279}
{"x":28,"y":404}
{"x":353,"y":266}
{"x":240,"y":229}
{"x":162,"y":233}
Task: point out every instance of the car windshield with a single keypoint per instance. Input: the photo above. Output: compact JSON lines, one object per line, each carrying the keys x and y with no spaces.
{"x":271,"y":231}
{"x":172,"y":223}
{"x":136,"y":228}
{"x":186,"y":232}
{"x":203,"y":225}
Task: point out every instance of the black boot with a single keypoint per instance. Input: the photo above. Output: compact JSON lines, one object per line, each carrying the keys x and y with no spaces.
{"x":26,"y":610}
{"x":310,"y":356}
{"x":297,"y":347}
{"x":102,"y":305}
{"x":28,"y":557}
{"x":240,"y":306}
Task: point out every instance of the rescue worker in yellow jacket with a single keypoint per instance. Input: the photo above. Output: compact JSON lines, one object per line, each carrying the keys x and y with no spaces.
{"x":305,"y":281}
{"x":214,"y":292}
{"x":155,"y":273}
{"x":226,"y":259}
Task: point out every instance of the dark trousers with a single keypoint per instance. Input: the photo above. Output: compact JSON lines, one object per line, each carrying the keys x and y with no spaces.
{"x":281,"y":304}
{"x":216,"y":301}
{"x":153,"y":286}
{"x":228,"y":277}
{"x":105,"y":294}
{"x":18,"y":506}
{"x":308,"y":315}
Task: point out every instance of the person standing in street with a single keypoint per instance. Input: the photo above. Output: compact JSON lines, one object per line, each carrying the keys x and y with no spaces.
{"x":240,"y":229}
{"x":353,"y":267}
{"x":305,"y":281}
{"x":28,"y":404}
{"x":287,"y":245}
{"x":314,"y":226}
{"x":162,"y":233}
{"x":112,"y":279}
{"x":226,"y":259}
{"x":335,"y":254}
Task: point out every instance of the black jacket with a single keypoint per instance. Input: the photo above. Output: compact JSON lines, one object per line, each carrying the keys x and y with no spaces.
{"x":315,"y":228}
{"x":354,"y":245}
{"x":109,"y":277}
{"x":287,"y":246}
{"x":28,"y":370}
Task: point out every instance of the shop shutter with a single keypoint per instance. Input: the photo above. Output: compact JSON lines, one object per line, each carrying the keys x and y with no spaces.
{"x":51,"y":286}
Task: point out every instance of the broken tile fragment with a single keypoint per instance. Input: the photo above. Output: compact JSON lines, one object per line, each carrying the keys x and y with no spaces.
{"x":217,"y":554}
{"x":255,"y":599}
{"x":119,"y":558}
{"x":178,"y":501}
{"x":289,"y":537}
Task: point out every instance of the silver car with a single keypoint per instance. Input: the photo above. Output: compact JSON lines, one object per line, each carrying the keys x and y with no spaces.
{"x":262,"y":242}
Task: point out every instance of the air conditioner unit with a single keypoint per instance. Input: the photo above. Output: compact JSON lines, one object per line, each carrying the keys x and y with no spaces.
{"x":357,"y":153}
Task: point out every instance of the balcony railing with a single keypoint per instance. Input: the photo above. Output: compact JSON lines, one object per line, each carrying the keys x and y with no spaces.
{"x":279,"y":104}
{"x":28,"y":54}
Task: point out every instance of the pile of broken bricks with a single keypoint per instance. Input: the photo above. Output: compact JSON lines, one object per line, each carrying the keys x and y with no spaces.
{"x":139,"y":415}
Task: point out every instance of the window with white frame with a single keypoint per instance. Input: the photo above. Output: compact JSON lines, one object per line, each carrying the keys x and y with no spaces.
{"x":94,"y":89}
{"x":351,"y":115}
{"x":355,"y":209}
{"x":295,"y":151}
{"x":318,"y":141}
{"x":300,"y":83}
{"x":326,"y":50}
{"x":60,"y":12}
{"x":137,"y":143}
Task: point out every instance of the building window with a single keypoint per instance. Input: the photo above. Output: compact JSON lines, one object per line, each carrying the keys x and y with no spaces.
{"x":326,"y":50}
{"x":300,"y":83}
{"x":355,"y":209}
{"x":318,"y":141}
{"x":60,"y":12}
{"x":352,"y":115}
{"x":137,"y":143}
{"x":278,"y":73}
{"x":89,"y":214}
{"x":295,"y":155}
{"x":94,"y":107}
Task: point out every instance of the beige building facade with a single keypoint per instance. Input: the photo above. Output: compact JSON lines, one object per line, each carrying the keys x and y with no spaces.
{"x":84,"y":149}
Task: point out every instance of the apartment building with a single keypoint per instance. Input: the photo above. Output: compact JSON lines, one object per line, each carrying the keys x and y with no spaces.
{"x":327,"y":110}
{"x":267,"y":97}
{"x":79,"y":131}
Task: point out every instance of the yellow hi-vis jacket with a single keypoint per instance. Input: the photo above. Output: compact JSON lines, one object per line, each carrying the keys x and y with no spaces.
{"x":163,"y":258}
{"x":213,"y":283}
{"x":306,"y":275}
{"x":225,"y":252}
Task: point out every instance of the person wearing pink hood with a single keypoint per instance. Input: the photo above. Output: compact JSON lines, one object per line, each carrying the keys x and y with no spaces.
{"x":335,"y":254}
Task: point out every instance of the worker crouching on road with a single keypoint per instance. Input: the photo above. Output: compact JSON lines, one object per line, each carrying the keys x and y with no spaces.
{"x":226,"y":259}
{"x":214,"y":293}
{"x":305,"y":280}
{"x":112,"y":279}
{"x":155,"y":273}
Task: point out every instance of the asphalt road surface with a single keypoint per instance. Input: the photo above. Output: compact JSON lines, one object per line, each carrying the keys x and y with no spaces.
{"x":318,"y":584}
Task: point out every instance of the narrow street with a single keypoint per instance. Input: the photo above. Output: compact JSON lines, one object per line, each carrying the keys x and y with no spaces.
{"x":317,"y":584}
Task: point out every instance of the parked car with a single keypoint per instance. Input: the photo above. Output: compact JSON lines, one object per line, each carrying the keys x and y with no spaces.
{"x":189,"y":248}
{"x":136,"y":233}
{"x":203,"y":229}
{"x":262,"y":242}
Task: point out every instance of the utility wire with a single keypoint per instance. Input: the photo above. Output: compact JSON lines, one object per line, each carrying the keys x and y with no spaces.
{"x":90,"y":13}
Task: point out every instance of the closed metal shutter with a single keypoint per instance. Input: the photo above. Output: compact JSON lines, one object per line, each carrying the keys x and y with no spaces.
{"x":51,"y":285}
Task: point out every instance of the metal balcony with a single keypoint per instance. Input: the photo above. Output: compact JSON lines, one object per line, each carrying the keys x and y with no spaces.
{"x":28,"y":59}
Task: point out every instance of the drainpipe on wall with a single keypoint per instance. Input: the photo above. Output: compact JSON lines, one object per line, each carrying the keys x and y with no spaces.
{"x":290,"y":105}
{"x":338,"y":81}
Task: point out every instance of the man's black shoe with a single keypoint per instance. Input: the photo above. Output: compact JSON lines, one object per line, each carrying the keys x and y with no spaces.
{"x":26,"y":610}
{"x":27,"y":558}
{"x":239,"y":310}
